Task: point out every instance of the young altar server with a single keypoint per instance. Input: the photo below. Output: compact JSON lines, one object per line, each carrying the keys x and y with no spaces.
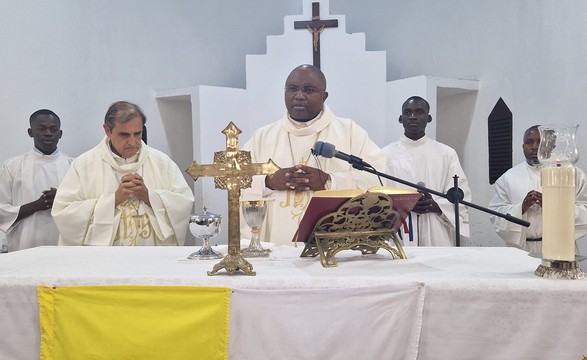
{"x":419,"y":159}
{"x":28,"y":183}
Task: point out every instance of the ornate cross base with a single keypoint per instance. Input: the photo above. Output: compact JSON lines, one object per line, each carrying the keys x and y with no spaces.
{"x":233,"y":263}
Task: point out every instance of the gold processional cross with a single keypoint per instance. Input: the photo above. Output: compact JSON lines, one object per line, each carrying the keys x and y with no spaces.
{"x":232,"y":170}
{"x":316,"y":26}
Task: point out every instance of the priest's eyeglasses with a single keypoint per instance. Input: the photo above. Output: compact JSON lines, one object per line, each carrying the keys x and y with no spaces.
{"x":306,"y":90}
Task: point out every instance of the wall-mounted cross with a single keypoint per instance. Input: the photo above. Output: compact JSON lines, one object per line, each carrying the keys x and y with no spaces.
{"x":316,"y":26}
{"x":232,"y":170}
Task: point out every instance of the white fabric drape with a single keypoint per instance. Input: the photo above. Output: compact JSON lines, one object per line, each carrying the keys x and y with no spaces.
{"x":371,"y":323}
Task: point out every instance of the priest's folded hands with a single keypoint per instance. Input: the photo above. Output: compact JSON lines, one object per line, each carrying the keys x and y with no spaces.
{"x":297,"y":178}
{"x":132,"y":185}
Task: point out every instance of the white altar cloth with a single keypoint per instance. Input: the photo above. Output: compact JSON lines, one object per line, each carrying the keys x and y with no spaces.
{"x":480,"y":303}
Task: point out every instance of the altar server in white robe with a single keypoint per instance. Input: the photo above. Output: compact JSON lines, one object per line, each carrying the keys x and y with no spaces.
{"x":518,"y":192}
{"x":28,"y":183}
{"x":123,"y":192}
{"x":419,"y":159}
{"x":288,"y":142}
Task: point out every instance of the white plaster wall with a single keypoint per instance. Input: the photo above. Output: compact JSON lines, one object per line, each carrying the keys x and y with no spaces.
{"x":77,"y":57}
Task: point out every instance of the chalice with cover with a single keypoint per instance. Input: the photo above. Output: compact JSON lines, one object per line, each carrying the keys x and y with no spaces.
{"x":205,"y":225}
{"x":254,"y":212}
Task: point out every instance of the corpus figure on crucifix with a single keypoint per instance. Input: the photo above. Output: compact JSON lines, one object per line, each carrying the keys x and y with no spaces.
{"x":232,"y":171}
{"x":316,"y":26}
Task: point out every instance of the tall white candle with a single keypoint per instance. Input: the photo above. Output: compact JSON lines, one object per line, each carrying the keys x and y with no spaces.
{"x":558,"y":213}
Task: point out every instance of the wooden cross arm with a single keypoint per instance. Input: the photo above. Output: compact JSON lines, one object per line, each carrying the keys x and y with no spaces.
{"x":315,"y":24}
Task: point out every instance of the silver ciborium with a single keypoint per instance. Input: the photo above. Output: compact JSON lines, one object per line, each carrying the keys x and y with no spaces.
{"x":254,"y":212}
{"x":205,"y":225}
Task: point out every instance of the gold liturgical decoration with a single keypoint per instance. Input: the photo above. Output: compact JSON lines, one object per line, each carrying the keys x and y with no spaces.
{"x":232,"y":170}
{"x":365,"y":223}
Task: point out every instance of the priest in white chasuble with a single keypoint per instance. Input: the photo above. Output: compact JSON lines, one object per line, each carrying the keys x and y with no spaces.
{"x":288,"y":142}
{"x":123,"y":192}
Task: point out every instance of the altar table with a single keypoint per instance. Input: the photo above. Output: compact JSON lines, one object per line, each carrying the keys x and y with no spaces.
{"x":478,"y":303}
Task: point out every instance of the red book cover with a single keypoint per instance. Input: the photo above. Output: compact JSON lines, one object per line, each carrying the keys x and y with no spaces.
{"x":322,"y":204}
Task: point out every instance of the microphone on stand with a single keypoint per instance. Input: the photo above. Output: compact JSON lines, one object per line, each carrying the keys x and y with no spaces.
{"x":423,"y":185}
{"x":327,"y":150}
{"x":456,"y":196}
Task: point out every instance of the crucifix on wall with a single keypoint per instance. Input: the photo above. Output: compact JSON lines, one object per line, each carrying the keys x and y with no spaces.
{"x":316,"y":26}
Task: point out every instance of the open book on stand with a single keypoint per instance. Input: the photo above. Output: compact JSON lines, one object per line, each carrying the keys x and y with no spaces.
{"x":329,"y":201}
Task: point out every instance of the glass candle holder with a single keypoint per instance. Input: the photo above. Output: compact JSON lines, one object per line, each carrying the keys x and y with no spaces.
{"x":557,"y":154}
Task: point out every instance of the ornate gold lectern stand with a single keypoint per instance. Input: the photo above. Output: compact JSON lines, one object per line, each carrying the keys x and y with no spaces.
{"x":365,"y":223}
